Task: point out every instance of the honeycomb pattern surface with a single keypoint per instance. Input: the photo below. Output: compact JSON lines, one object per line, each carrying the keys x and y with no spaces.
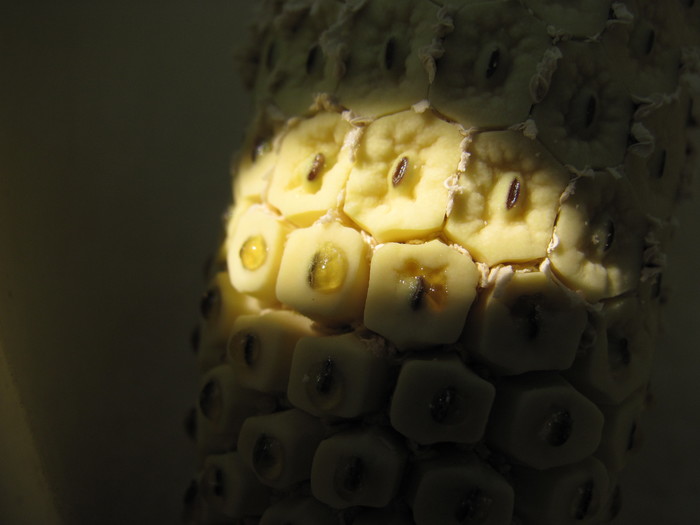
{"x":440,"y":282}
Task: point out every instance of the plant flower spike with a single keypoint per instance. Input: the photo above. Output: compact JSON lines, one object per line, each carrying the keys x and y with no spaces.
{"x":439,"y":289}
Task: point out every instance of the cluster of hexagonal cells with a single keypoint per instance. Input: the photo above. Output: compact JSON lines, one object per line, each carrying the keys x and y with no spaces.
{"x":438,"y":293}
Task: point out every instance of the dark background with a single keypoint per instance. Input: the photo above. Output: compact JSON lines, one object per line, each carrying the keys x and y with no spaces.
{"x":117,"y":123}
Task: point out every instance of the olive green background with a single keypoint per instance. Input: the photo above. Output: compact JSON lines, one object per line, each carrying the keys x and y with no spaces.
{"x":117,"y":123}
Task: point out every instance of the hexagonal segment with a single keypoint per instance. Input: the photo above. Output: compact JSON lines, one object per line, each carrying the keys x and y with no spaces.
{"x":311,"y":169}
{"x":231,"y":488}
{"x":541,"y":421}
{"x":378,"y":49}
{"x":508,"y":199}
{"x":599,"y":238}
{"x":569,"y":495}
{"x":585,"y":117}
{"x":358,"y":467}
{"x":647,"y":49}
{"x":655,"y":164}
{"x":396,"y":189}
{"x":255,"y":243}
{"x":324,"y":272}
{"x":293,"y":65}
{"x":615,"y":358}
{"x":459,"y":489}
{"x":222,"y":406}
{"x":622,"y":431}
{"x":220,"y":306}
{"x":279,"y":447}
{"x":300,"y":510}
{"x":490,"y":58}
{"x":260,"y":348}
{"x":419,"y":294}
{"x":439,"y":399}
{"x":338,"y":375}
{"x":525,"y":322}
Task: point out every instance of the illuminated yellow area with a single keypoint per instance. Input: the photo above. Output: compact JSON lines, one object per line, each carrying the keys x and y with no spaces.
{"x":253,"y":252}
{"x":328,"y":268}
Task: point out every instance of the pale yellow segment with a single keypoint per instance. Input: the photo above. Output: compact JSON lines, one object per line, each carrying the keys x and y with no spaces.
{"x":324,"y":272}
{"x":599,"y":238}
{"x":507,"y":200}
{"x":311,"y":168}
{"x":419,"y":294}
{"x":254,"y":250}
{"x":414,"y":206}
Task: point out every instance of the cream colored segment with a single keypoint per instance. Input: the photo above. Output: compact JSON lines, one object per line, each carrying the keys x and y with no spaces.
{"x":616,"y":353}
{"x":419,"y":294}
{"x":324,"y":272}
{"x":584,"y":119}
{"x":508,"y":199}
{"x":260,"y":348}
{"x":25,"y":494}
{"x":311,"y":168}
{"x":254,"y":250}
{"x":489,"y":60}
{"x":379,"y":49}
{"x":396,"y":199}
{"x":528,"y":324}
{"x":600,"y":238}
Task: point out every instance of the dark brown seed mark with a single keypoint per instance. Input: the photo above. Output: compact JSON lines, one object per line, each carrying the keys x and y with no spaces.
{"x":400,"y":171}
{"x":324,"y":377}
{"x":591,"y":108}
{"x":195,"y":339}
{"x":210,"y":400}
{"x":615,"y":503}
{"x":443,"y":403}
{"x":557,"y":428}
{"x":494,"y":62}
{"x":618,"y":352}
{"x":660,"y":167}
{"x":528,"y":310}
{"x":190,"y":424}
{"x":609,"y":235}
{"x":656,"y":287}
{"x":208,"y":302}
{"x":351,"y":474}
{"x":248,"y":344}
{"x":420,"y":289}
{"x":513,"y":194}
{"x":312,"y":59}
{"x":316,"y":166}
{"x":650,"y":41}
{"x":271,"y":56}
{"x":584,"y":498}
{"x":215,"y":481}
{"x":390,"y":53}
{"x":474,"y":509}
{"x":263,"y":453}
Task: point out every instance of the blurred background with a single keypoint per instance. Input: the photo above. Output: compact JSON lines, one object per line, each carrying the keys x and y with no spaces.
{"x":117,"y":124}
